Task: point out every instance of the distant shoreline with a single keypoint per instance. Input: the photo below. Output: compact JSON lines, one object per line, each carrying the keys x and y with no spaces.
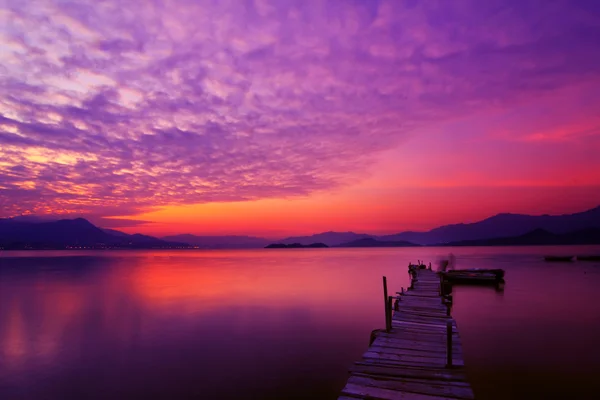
{"x":583,"y":228}
{"x":297,"y":246}
{"x":287,"y":248}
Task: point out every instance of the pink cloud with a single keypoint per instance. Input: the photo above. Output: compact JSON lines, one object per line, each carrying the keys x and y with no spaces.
{"x":132,"y":105}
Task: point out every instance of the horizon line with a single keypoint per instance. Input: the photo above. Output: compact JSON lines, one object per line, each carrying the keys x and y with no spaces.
{"x":299,"y":235}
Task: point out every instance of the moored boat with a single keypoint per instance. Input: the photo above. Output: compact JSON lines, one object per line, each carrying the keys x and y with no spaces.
{"x":558,"y":258}
{"x":588,"y":258}
{"x":474,"y":275}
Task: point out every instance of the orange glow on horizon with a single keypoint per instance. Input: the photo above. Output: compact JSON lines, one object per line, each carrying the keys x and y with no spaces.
{"x":375,"y":211}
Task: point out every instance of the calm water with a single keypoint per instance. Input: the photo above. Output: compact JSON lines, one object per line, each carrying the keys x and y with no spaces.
{"x":278,"y":324}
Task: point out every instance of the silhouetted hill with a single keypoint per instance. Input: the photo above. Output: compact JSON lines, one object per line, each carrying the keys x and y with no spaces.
{"x":296,"y":246}
{"x":538,"y":237}
{"x":502,"y":225}
{"x":371,"y":242}
{"x":329,"y":238}
{"x":220,"y":242}
{"x":114,"y":232}
{"x":67,"y":233}
{"x":138,"y":238}
{"x":38,"y":231}
{"x":32,"y":218}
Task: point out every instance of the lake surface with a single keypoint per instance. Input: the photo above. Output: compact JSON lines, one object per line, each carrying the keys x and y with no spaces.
{"x":279,"y":324}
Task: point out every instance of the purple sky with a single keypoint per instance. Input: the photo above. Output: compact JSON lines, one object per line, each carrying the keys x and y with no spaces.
{"x":118,"y":108}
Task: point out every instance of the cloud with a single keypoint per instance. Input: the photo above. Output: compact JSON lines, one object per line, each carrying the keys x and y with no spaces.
{"x":113,"y":108}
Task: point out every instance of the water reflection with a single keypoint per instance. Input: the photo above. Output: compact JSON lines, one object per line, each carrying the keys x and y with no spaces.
{"x":274,"y":324}
{"x":181,"y":324}
{"x":536,"y":339}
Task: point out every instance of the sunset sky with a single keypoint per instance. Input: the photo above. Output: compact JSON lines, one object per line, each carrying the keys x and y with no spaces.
{"x":277,"y":117}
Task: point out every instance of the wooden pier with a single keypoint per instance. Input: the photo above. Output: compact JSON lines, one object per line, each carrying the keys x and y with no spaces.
{"x":419,"y":354}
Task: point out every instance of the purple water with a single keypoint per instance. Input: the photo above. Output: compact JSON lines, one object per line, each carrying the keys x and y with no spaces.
{"x":274,"y":324}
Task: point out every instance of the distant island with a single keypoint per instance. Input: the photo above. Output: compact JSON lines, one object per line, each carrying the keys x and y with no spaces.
{"x":372,"y":242}
{"x":219,"y":242}
{"x":364,"y":242}
{"x":296,"y":246}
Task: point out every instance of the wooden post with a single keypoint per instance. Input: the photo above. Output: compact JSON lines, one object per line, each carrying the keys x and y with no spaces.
{"x":374,"y":335}
{"x":449,"y":343}
{"x":448,"y":287}
{"x":385,"y":302}
{"x":442,"y":285}
{"x":390,"y":301}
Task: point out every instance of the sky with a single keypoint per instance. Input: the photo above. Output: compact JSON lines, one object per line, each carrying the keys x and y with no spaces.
{"x":277,"y":117}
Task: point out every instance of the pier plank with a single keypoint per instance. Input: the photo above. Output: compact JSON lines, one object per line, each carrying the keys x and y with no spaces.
{"x":416,"y":346}
{"x":415,"y":386}
{"x":409,"y":361}
{"x":407,"y":372}
{"x":431,"y":353}
{"x":385,"y":394}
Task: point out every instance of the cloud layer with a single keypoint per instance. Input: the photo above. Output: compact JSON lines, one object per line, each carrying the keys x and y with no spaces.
{"x":115,"y":107}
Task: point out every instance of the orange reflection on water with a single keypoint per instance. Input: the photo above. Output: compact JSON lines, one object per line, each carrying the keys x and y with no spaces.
{"x":232,"y":279}
{"x":150,"y":322}
{"x":13,"y":339}
{"x":51,"y":314}
{"x":37,"y":335}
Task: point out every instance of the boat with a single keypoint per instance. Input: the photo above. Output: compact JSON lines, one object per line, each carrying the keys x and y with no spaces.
{"x":418,"y":265}
{"x":558,"y":258}
{"x":414,"y":267}
{"x":588,"y":258}
{"x":474,"y":275}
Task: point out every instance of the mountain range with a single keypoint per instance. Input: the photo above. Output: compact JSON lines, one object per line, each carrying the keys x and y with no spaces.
{"x":40,"y":232}
{"x":502,"y":225}
{"x":538,"y":237}
{"x":21,"y":233}
{"x":499,"y":226}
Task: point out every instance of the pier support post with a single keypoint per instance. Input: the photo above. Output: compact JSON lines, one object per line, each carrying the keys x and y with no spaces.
{"x":449,"y":343}
{"x":389,"y":324}
{"x":385,"y":302}
{"x":445,"y":287}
